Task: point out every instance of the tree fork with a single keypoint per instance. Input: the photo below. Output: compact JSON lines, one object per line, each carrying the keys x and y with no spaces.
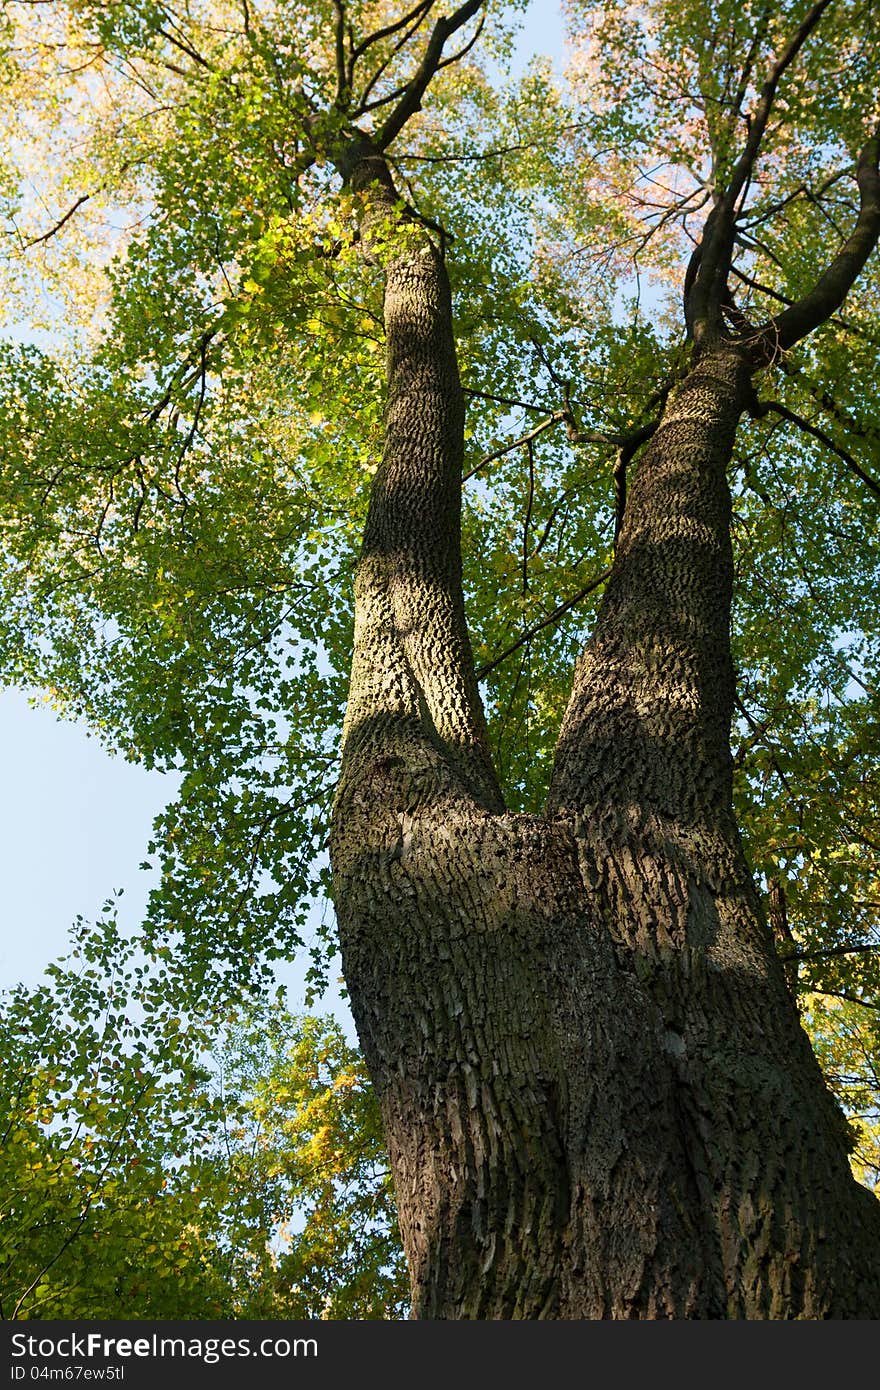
{"x":597,"y":1095}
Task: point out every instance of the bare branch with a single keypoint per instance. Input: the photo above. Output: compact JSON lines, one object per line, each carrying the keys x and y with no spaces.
{"x":554,"y":419}
{"x":417,"y":12}
{"x":411,"y":101}
{"x":59,"y":224}
{"x":764,"y":407}
{"x":504,"y":400}
{"x":185,"y":47}
{"x":708,"y":273}
{"x":846,"y":997}
{"x":825,"y":952}
{"x":553,"y":617}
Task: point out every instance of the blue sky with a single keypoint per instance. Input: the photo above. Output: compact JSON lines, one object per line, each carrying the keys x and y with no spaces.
{"x":75,"y":821}
{"x":74,"y":826}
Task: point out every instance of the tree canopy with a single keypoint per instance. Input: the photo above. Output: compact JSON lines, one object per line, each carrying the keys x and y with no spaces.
{"x":191,"y":408}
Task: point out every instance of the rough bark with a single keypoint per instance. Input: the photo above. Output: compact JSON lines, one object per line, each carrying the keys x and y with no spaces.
{"x":598,"y":1099}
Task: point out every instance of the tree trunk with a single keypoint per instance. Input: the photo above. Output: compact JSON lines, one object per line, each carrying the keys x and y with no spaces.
{"x":598,"y":1100}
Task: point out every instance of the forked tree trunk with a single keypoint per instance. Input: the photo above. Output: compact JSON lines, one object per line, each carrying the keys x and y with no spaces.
{"x":598,"y":1100}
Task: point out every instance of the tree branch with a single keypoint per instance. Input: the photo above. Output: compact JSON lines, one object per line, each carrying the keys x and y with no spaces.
{"x":418,"y":11}
{"x":188,"y":49}
{"x":744,"y":165}
{"x":710,"y":271}
{"x":417,"y":17}
{"x":758,"y":34}
{"x":762,"y":408}
{"x":631,"y":439}
{"x":803,"y":190}
{"x":35,"y":241}
{"x":627,"y":443}
{"x":553,"y":617}
{"x":554,"y":419}
{"x":757,"y":285}
{"x":504,"y":400}
{"x":829,"y":292}
{"x":465,"y":48}
{"x":847,"y":998}
{"x":530,"y":448}
{"x":824,"y":399}
{"x":825,"y":952}
{"x":411,"y":101}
